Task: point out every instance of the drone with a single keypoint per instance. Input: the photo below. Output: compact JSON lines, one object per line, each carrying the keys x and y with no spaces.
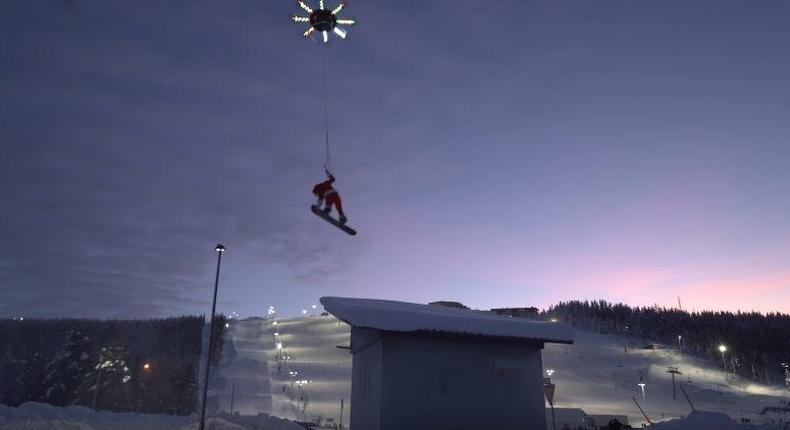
{"x":323,"y":20}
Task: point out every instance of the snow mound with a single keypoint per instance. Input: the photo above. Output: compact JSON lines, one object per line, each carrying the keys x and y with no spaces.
{"x":40,"y":416}
{"x":214,"y":424}
{"x":43,"y":424}
{"x":700,"y":420}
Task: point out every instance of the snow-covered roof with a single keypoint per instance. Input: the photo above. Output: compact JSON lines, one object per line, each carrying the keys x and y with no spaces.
{"x":394,"y":316}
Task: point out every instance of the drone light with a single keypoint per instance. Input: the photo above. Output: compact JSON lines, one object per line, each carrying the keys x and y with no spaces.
{"x":305,"y":7}
{"x":346,"y":21}
{"x":298,"y":18}
{"x":339,"y":7}
{"x":326,"y":39}
{"x":308,"y":32}
{"x":342,"y":33}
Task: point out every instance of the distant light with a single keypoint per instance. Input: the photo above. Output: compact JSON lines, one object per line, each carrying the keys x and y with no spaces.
{"x":554,"y":320}
{"x":146,"y":366}
{"x":680,"y":337}
{"x":279,"y":345}
{"x":314,"y":306}
{"x":276,"y":333}
{"x":549,"y":372}
{"x":304,"y":311}
{"x":274,"y":323}
{"x":227,"y":325}
{"x":219,"y":248}
{"x":642,"y":385}
{"x":722,"y":348}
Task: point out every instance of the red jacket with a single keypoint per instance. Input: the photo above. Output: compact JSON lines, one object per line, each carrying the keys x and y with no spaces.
{"x":324,"y":188}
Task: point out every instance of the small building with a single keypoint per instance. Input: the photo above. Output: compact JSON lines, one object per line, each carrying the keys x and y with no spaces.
{"x":530,"y":312}
{"x":449,"y":304}
{"x":432,"y":367}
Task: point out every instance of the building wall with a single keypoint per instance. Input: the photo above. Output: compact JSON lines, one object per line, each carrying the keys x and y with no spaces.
{"x":459,"y":384}
{"x":366,"y":379}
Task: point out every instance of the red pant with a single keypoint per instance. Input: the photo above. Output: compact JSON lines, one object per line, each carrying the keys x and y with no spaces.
{"x":334,"y":199}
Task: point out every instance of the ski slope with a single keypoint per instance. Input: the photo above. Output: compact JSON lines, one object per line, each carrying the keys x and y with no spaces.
{"x":593,"y":374}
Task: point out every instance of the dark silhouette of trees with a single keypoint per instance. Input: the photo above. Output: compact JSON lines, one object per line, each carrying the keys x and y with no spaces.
{"x":146,"y":365}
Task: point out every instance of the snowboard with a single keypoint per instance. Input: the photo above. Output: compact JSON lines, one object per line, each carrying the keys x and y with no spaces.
{"x":333,"y":221}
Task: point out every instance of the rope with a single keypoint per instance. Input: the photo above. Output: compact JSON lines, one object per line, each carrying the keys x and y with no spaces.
{"x":326,"y":113}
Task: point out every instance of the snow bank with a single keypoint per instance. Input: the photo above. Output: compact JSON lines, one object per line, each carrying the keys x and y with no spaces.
{"x":39,"y":416}
{"x":409,"y":317}
{"x":700,"y":420}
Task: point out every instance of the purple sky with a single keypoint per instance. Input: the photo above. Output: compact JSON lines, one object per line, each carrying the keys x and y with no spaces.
{"x":499,"y":153}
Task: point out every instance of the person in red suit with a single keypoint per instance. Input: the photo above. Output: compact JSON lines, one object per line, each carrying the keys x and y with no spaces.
{"x":326,"y":193}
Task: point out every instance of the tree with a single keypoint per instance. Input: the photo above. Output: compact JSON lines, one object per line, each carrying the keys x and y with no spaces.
{"x":30,"y":380}
{"x":112,"y":374}
{"x":67,"y":371}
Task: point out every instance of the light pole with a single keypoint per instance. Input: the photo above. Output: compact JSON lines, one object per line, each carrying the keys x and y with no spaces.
{"x":722,"y":350}
{"x":625,"y":339}
{"x":680,"y":346}
{"x":220,"y":249}
{"x":642,"y":386}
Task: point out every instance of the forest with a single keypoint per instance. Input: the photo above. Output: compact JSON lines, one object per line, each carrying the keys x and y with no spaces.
{"x":757,"y":345}
{"x":146,"y":366}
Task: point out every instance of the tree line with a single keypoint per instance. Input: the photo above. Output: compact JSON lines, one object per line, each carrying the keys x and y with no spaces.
{"x":148,"y":366}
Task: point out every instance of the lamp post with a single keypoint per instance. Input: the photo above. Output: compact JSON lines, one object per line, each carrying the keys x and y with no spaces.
{"x":220,"y":249}
{"x":680,"y":346}
{"x":642,"y":386}
{"x":625,"y":339}
{"x":722,"y":350}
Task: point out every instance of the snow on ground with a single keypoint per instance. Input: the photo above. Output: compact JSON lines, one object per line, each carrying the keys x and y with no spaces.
{"x":39,"y":416}
{"x":708,"y":421}
{"x":593,"y":374}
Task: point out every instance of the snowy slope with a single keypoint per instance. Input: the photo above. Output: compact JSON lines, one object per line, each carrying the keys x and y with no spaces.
{"x":265,"y":384}
{"x":593,"y":374}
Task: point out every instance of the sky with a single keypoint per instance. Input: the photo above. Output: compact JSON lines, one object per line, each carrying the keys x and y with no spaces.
{"x":498,"y":153}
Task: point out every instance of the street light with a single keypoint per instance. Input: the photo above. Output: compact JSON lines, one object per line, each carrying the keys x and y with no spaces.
{"x":680,"y":346}
{"x":549,"y":372}
{"x":219,"y":249}
{"x":722,"y":350}
{"x":642,"y":386}
{"x":625,"y":339}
